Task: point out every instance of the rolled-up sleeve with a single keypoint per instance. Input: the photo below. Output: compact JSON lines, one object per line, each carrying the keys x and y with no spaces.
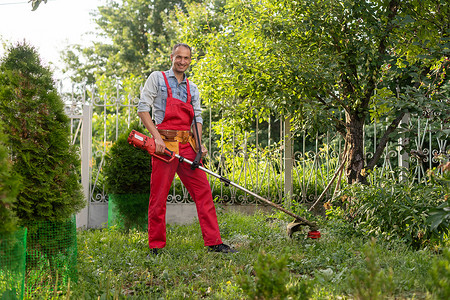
{"x":148,"y":93}
{"x":196,"y":104}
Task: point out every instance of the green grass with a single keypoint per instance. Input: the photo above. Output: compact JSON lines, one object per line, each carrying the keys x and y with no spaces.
{"x":114,"y":265}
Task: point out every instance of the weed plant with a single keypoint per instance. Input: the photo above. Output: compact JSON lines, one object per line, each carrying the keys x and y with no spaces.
{"x":397,"y":210}
{"x":114,"y":264}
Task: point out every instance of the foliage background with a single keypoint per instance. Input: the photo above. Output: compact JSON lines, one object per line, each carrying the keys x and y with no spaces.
{"x":323,"y":65}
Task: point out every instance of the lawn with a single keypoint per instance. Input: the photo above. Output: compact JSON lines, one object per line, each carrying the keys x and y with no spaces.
{"x":340,"y":265}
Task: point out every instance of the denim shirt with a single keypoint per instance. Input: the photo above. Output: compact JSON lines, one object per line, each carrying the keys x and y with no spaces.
{"x":154,"y":94}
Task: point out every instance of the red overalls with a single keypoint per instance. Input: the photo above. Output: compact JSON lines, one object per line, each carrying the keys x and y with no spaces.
{"x":179,"y":116}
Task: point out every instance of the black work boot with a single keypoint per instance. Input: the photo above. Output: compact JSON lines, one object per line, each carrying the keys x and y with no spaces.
{"x":221,"y":248}
{"x":153,"y":252}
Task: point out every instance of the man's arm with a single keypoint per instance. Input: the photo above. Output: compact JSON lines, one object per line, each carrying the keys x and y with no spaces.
{"x":199,"y":127}
{"x":148,"y":123}
{"x":198,"y":118}
{"x":148,"y":96}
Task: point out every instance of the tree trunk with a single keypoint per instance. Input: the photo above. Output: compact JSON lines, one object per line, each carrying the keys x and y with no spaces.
{"x":355,"y":140}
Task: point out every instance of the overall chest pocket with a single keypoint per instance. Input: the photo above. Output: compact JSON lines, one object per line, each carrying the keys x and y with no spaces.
{"x":180,"y":93}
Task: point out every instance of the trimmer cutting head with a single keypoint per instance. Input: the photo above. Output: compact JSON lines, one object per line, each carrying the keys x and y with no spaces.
{"x":296,"y":225}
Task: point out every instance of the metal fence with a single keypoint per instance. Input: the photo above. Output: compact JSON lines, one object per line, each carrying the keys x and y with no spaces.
{"x":273,"y":171}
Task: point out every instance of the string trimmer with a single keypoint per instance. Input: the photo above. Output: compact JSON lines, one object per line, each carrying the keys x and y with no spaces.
{"x":146,"y":143}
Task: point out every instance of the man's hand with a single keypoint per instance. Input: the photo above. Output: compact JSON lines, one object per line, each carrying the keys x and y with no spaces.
{"x":204,"y":151}
{"x":160,"y":146}
{"x":148,"y":123}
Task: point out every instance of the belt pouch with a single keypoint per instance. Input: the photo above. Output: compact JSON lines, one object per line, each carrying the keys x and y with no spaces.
{"x":193,"y":143}
{"x":172,"y":146}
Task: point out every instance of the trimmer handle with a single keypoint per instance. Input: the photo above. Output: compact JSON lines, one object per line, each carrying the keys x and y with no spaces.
{"x":196,"y":162}
{"x":146,"y":143}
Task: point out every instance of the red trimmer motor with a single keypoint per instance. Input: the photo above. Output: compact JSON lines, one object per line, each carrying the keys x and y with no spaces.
{"x":146,"y":143}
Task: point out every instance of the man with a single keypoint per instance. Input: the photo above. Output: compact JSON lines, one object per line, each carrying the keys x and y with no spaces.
{"x":175,"y":102}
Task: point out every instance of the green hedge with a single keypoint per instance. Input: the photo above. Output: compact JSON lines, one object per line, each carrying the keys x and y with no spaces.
{"x":128,"y":211}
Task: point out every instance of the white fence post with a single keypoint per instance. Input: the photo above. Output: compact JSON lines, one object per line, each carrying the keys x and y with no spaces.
{"x":82,"y":218}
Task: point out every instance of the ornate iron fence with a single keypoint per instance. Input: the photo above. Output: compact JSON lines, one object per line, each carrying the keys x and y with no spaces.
{"x":97,"y":121}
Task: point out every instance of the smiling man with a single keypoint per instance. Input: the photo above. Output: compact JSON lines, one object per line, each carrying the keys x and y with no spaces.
{"x":175,"y":102}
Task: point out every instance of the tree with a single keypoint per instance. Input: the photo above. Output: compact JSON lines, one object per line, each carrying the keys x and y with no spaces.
{"x":326,"y":64}
{"x":38,"y":138}
{"x":134,"y":38}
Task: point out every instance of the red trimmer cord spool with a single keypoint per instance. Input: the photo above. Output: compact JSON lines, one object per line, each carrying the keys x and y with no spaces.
{"x":314,"y":234}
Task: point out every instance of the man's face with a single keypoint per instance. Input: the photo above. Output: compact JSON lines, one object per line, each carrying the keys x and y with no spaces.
{"x":181,"y":59}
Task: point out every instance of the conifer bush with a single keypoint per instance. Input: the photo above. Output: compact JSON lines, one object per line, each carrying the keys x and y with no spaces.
{"x":38,"y":135}
{"x":38,"y":132}
{"x":8,"y":189}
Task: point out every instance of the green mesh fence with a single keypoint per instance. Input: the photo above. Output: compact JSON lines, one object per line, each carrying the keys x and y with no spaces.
{"x":51,"y":254}
{"x":128,"y":211}
{"x":12,"y":264}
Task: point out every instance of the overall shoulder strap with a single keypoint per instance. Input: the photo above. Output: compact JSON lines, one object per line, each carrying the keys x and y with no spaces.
{"x":169,"y":90}
{"x":188,"y":90}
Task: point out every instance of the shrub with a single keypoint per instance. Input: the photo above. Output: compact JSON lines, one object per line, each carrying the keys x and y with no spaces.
{"x":395,"y":210}
{"x":12,"y":240}
{"x":8,"y":189}
{"x":127,"y":171}
{"x":128,"y":210}
{"x":38,"y":131}
{"x":439,"y":217}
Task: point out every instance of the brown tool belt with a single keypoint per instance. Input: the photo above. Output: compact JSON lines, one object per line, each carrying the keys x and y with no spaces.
{"x":181,"y":136}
